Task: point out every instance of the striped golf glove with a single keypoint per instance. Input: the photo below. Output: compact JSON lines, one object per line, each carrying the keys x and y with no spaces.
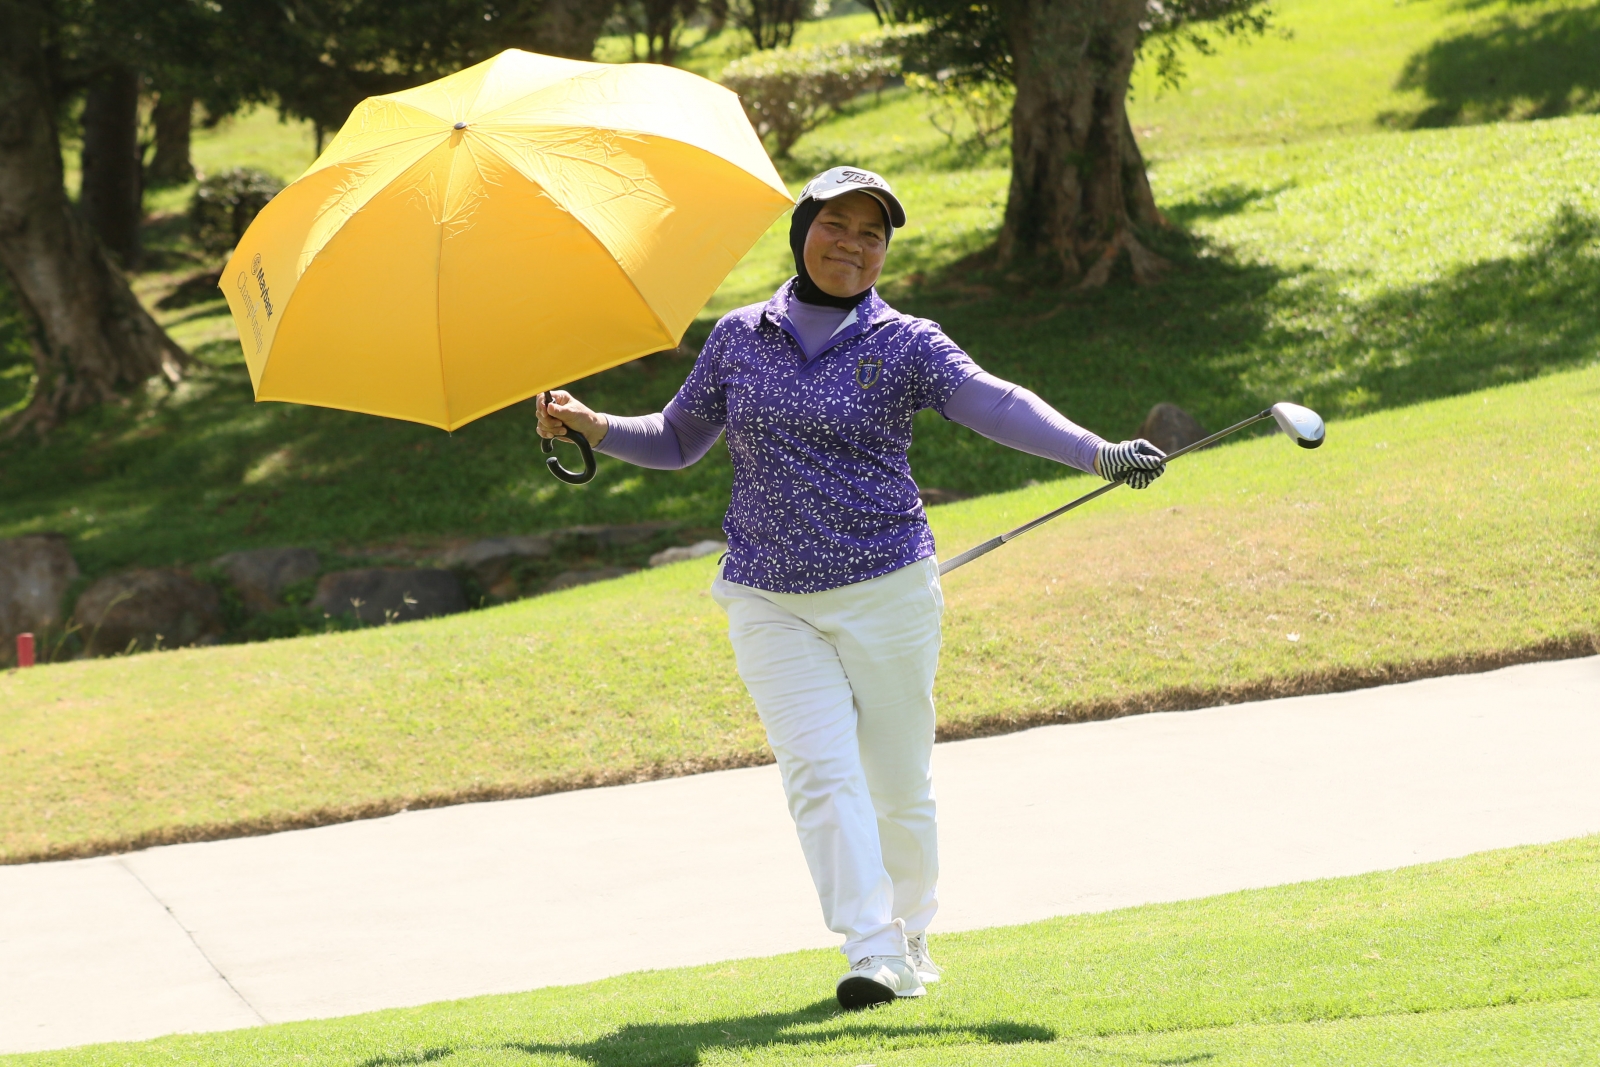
{"x":1138,"y":462}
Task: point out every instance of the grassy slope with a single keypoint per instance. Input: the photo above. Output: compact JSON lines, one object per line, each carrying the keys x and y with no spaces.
{"x":1339,"y":67}
{"x":1456,"y":259}
{"x":1454,"y":528}
{"x":1482,"y":960}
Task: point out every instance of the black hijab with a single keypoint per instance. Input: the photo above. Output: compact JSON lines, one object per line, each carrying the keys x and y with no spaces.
{"x":806,"y":290}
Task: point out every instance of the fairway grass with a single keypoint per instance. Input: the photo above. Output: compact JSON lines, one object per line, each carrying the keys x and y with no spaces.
{"x":1337,"y":68}
{"x":1485,"y":960}
{"x":1437,"y":537}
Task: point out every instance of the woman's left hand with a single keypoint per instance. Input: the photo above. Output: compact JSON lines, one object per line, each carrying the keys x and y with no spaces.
{"x":1138,"y":462}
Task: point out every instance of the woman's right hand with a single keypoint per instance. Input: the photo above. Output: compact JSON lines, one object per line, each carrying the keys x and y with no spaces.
{"x":565,"y":415}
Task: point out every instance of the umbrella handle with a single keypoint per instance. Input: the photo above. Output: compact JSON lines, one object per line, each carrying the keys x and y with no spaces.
{"x":548,"y":446}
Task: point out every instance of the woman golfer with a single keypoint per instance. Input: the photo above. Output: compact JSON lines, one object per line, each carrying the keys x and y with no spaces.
{"x":830,"y":583}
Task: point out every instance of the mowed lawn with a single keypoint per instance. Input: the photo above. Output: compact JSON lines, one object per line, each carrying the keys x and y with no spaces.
{"x":1476,"y":961}
{"x":1436,"y":534}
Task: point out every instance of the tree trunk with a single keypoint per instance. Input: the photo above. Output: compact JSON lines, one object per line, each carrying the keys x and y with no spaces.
{"x":1078,"y":183}
{"x":571,"y":27}
{"x":716,"y":17}
{"x":112,"y":192}
{"x":173,"y":118}
{"x":91,"y":339}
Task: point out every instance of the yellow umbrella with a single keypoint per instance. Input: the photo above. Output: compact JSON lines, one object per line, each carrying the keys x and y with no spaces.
{"x":517,"y":225}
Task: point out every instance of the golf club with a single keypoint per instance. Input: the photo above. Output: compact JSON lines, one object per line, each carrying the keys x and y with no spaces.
{"x":1301,"y":425}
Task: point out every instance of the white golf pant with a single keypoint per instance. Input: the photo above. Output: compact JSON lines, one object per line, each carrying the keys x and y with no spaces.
{"x":843,"y":680}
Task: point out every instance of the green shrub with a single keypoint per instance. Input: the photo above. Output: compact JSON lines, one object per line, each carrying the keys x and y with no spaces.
{"x":985,"y":103}
{"x":787,"y":92}
{"x":224,"y":205}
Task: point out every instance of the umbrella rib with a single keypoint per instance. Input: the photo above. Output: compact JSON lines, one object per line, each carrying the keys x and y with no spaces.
{"x":438,"y":316}
{"x":666,"y":332}
{"x":314,"y":168}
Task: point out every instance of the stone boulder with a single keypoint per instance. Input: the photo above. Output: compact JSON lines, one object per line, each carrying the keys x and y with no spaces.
{"x":140,"y":610}
{"x":932,"y":497}
{"x":35,"y":572}
{"x":612,"y":536}
{"x":569,"y":579}
{"x":682,"y":552}
{"x":1170,"y":428}
{"x":262,"y":574}
{"x":390,"y":594}
{"x":492,"y":561}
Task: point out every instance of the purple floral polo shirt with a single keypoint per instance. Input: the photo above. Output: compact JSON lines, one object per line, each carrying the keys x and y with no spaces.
{"x":822,"y":489}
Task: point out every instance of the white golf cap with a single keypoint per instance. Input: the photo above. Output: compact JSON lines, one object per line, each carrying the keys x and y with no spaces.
{"x":841,"y":180}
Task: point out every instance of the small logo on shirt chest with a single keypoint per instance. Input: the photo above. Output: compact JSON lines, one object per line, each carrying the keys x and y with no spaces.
{"x":867,"y":371}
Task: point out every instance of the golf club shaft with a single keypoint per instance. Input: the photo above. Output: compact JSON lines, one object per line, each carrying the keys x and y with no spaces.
{"x":995,"y":542}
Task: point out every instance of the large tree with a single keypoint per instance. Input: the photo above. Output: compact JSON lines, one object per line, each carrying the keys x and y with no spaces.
{"x":1079,"y":196}
{"x":111,"y":193}
{"x":91,"y":337}
{"x":770,"y":23}
{"x":660,"y":22}
{"x":320,"y":58}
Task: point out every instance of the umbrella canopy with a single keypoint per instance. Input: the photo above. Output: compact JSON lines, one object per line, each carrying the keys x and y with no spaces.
{"x":517,"y":225}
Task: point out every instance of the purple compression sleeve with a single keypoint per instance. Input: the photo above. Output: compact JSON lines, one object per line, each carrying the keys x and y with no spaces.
{"x":1017,"y":418}
{"x":668,"y":440}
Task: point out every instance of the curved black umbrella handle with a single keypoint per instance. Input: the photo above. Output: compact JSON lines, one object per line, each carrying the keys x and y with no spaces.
{"x":548,"y":446}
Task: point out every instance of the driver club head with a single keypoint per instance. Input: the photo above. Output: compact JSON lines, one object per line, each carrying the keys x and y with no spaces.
{"x":1302,"y":425}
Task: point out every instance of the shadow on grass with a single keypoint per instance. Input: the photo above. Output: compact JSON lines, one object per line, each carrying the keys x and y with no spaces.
{"x":1515,"y":66}
{"x":649,"y":1044}
{"x":198,"y":288}
{"x":1220,"y":202}
{"x":818,"y":155}
{"x":404,"y":1059}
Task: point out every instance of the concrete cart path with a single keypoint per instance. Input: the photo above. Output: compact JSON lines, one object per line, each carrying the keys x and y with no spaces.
{"x":495,"y":897}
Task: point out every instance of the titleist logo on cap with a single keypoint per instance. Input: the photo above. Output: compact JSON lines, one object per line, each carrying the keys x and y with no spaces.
{"x":858,"y":177}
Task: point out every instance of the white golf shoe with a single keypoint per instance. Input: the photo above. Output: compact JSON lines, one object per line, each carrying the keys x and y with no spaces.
{"x":878,"y":980}
{"x":917,"y":953}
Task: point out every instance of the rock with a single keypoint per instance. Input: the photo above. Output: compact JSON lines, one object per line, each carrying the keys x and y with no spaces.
{"x":931,"y":496}
{"x":613,"y":536}
{"x":682,"y":552}
{"x":1170,"y":428}
{"x":492,"y":561}
{"x":494,"y":548}
{"x":568,"y":579}
{"x":262,"y":574}
{"x":390,"y":594}
{"x":35,"y":572}
{"x":146,"y":609}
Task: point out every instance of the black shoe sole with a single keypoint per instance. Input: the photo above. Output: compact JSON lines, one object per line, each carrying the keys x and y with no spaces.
{"x":858,"y":993}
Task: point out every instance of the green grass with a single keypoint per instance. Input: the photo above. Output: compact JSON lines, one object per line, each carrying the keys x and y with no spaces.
{"x":1339,"y":67}
{"x":1477,"y":961}
{"x":1457,"y":528}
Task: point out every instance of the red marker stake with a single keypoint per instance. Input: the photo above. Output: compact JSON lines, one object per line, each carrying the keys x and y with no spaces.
{"x":24,"y":650}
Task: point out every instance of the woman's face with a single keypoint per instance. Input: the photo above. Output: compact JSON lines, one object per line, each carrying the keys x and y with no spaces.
{"x":846,"y":244}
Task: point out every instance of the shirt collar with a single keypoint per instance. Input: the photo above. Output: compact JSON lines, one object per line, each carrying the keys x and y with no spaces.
{"x":861,"y":318}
